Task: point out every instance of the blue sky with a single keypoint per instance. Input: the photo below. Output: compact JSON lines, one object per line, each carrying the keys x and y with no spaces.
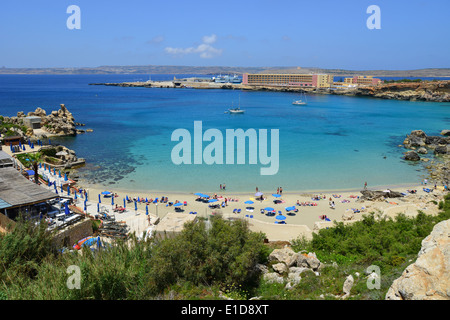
{"x":323,"y":33}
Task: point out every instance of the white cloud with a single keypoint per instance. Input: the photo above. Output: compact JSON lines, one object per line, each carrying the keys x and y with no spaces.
{"x":206,"y":50}
{"x":209,"y":39}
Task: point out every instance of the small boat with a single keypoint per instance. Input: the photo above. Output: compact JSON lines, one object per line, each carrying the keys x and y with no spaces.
{"x":236,"y":111}
{"x":300,"y":102}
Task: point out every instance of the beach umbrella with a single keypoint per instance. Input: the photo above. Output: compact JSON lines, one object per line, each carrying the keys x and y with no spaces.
{"x":66,"y":209}
{"x":60,"y":173}
{"x":85,"y":207}
{"x":112,"y":201}
{"x":276,"y":195}
{"x":68,"y":190}
{"x":135,"y":206}
{"x":280,"y":217}
{"x":178,"y":204}
{"x":290,"y":208}
{"x":258,"y":194}
{"x":155,"y":201}
{"x":146,"y":210}
{"x":248,"y":202}
{"x":98,"y":207}
{"x":269,"y":209}
{"x":62,"y":188}
{"x":75,"y":195}
{"x":65,"y":176}
{"x":146,"y":200}
{"x":99,"y":199}
{"x":199,"y":194}
{"x":106,"y":192}
{"x":212,"y":200}
{"x":23,"y":147}
{"x":124,"y":203}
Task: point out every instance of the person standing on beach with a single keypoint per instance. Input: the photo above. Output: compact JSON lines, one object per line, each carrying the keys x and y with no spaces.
{"x":281,"y":190}
{"x":220,"y":187}
{"x":278,"y":190}
{"x":365,"y":185}
{"x":223,"y":187}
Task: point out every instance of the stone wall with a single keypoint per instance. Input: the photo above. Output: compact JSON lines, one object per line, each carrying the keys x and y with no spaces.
{"x":73,"y":234}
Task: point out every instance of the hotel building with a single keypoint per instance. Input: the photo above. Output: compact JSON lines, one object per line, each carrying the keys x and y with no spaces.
{"x":291,"y":80}
{"x":364,"y":80}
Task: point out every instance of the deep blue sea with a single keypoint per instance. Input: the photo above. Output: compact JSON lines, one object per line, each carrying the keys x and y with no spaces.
{"x":333,"y":143}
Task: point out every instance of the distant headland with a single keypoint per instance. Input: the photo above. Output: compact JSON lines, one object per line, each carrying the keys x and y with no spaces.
{"x":168,"y":69}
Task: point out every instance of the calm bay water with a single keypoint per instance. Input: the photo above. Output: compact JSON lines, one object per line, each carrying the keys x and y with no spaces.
{"x":334,"y":142}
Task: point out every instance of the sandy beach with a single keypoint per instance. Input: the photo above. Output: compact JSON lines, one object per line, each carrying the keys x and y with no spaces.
{"x":304,"y":222}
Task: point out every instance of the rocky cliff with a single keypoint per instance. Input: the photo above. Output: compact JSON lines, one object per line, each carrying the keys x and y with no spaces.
{"x":438,"y":91}
{"x":429,"y":277}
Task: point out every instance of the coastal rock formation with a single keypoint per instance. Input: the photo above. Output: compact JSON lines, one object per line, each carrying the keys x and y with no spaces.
{"x":379,"y":195}
{"x":427,"y":278}
{"x":58,"y":122}
{"x":438,"y":91}
{"x":419,"y":142}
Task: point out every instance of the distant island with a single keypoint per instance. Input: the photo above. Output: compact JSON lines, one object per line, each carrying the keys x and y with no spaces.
{"x":212,"y":70}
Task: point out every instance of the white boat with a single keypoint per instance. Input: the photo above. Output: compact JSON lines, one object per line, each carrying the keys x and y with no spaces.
{"x":300,"y":102}
{"x":236,"y":111}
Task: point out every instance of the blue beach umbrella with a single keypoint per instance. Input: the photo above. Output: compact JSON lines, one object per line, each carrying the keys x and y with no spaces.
{"x":65,"y":177}
{"x":112,"y":201}
{"x":198,"y":194}
{"x":106,"y":192}
{"x":146,"y":210}
{"x":280,"y":217}
{"x":62,"y":188}
{"x":68,"y":190}
{"x":178,"y":204}
{"x":127,"y":198}
{"x":269,"y":209}
{"x":85,"y":206}
{"x":276,"y":195}
{"x":135,"y":205}
{"x":290,"y":208}
{"x":99,"y":199}
{"x":146,"y":200}
{"x":60,"y":173}
{"x":248,"y":202}
{"x":98,"y":207}
{"x":66,"y":209}
{"x":75,"y":195}
{"x":212,"y":200}
{"x":124,"y":203}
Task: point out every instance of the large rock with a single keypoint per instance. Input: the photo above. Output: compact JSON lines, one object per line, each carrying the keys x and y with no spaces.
{"x":411,"y":156}
{"x":308,"y":261}
{"x":441,"y":150}
{"x":445,"y":132}
{"x":285,"y":255}
{"x":428,"y":278}
{"x":379,"y":195}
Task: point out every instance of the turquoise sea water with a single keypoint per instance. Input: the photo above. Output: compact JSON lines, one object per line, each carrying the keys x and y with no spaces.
{"x":335,"y":142}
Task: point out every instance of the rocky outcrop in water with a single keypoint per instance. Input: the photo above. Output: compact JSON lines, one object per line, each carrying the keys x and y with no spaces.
{"x":427,"y":278}
{"x":438,"y":146}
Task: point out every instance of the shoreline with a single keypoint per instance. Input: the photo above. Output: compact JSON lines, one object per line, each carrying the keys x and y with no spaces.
{"x":305,"y":222}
